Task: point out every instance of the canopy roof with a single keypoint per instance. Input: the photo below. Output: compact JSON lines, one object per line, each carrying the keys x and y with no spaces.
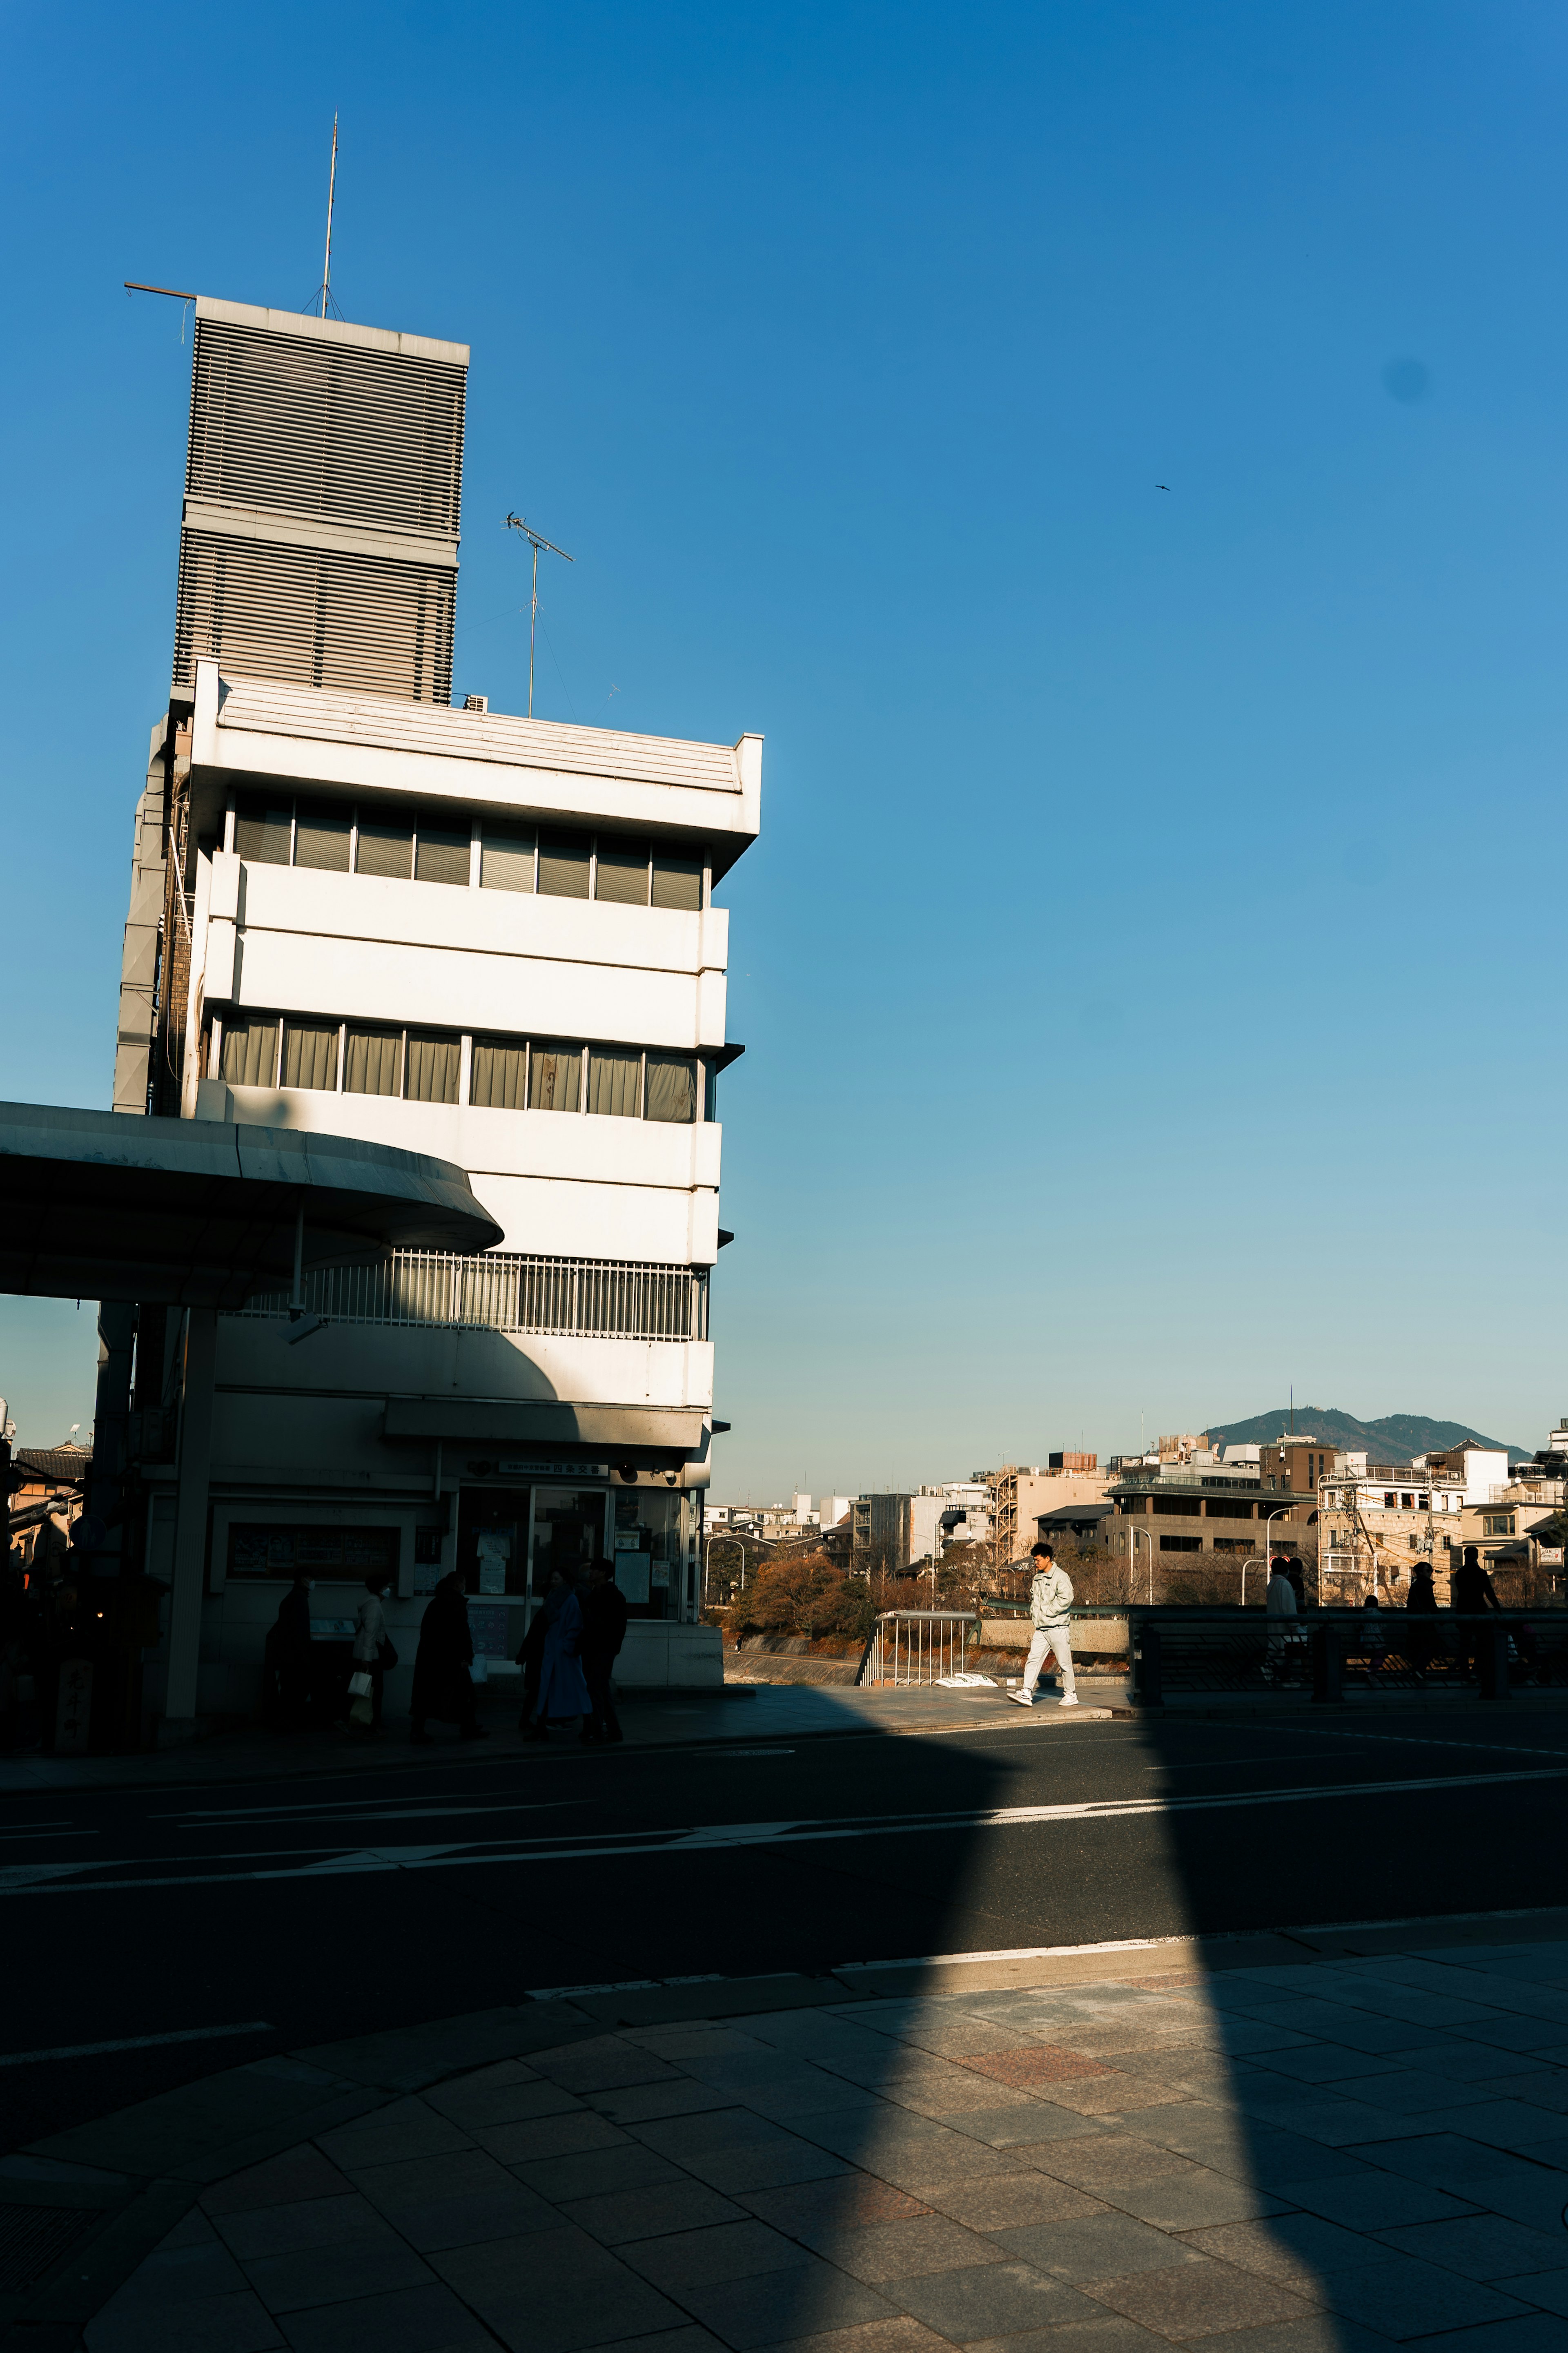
{"x":199,"y":1213}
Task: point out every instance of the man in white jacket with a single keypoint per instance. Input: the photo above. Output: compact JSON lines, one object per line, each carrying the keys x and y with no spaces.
{"x":1050,"y":1598}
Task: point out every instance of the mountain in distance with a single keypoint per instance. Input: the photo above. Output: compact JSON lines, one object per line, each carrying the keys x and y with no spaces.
{"x":1394,"y":1438}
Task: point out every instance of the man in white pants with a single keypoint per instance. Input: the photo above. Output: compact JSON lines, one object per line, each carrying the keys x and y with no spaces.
{"x":1050,"y":1598}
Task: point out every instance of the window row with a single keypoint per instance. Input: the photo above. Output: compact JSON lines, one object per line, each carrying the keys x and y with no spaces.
{"x":447,"y":846}
{"x":447,"y":1066}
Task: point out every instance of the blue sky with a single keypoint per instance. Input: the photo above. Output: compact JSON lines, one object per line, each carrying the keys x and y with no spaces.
{"x":1149,"y":968}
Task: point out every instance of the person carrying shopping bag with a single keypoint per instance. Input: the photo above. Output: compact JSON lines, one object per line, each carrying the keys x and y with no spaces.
{"x":373,"y":1655}
{"x":1050,"y":1598}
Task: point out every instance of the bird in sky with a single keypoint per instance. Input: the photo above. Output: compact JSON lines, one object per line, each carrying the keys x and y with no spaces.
{"x":1162,"y":486}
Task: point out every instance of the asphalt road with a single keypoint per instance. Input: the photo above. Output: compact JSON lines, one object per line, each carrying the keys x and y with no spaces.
{"x":310,"y":1909}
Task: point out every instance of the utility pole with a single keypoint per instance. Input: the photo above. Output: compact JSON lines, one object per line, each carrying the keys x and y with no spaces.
{"x":536,"y":540}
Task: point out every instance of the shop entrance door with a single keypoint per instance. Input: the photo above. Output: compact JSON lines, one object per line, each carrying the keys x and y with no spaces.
{"x":568,"y":1531}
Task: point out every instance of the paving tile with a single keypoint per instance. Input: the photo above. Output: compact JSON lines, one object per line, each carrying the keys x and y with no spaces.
{"x":1377,"y":2201}
{"x":1547,"y":2288}
{"x":603,"y":2064}
{"x":1199,"y":2300}
{"x":700,"y":2258}
{"x":909,"y":2249}
{"x":1107,"y":2332}
{"x":897,"y":2335}
{"x":772,"y":2306}
{"x":1315,"y":2332}
{"x":990,"y":2300}
{"x":1536,"y":2333}
{"x":555,"y":2292}
{"x":1542,"y":2087}
{"x":1180,"y":2202}
{"x":1110,"y":2157}
{"x":843,"y":2202}
{"x":543,"y":2136}
{"x":465,"y":2217}
{"x":412,"y":2179}
{"x":409,"y":2320}
{"x":1102,"y":2246}
{"x":281,"y":2181}
{"x":500,"y":2102}
{"x":331,"y":2274}
{"x":1037,"y":2120}
{"x":405,"y":2129}
{"x":767,"y":2166}
{"x":175,"y":2274}
{"x":961,"y":2093}
{"x":1328,"y":2062}
{"x":1035,"y":2063}
{"x":1504,"y":2124}
{"x":236,"y":2323}
{"x":727,"y":2127}
{"x":652,"y":2212}
{"x":312,"y":2222}
{"x":689,"y":2340}
{"x":1012,"y":2201}
{"x":597,"y":2173}
{"x":637,"y":2104}
{"x":1405,"y":2298}
{"x":1293,"y":2249}
{"x":1483,"y":2246}
{"x":1115,"y":2093}
{"x":194,"y":2231}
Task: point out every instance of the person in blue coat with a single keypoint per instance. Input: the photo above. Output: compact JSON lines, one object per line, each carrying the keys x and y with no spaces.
{"x":563,"y":1692}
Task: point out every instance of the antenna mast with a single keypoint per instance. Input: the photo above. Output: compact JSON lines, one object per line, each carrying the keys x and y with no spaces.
{"x":331,"y":198}
{"x":536,"y":540}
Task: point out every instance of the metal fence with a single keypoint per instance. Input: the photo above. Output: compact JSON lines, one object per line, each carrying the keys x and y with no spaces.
{"x":918,"y":1646}
{"x":1331,"y":1654}
{"x":594,"y":1298}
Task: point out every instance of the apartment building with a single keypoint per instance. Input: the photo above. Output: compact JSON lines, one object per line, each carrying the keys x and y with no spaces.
{"x":1024,"y":1495}
{"x":1203,"y":1503}
{"x":357,"y":911}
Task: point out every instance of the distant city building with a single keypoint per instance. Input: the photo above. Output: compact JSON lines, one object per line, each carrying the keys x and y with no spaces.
{"x":1022,"y":1493}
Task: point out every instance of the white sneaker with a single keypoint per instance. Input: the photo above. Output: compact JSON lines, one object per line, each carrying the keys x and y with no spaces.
{"x":1024,"y":1699}
{"x":1069,"y":1699}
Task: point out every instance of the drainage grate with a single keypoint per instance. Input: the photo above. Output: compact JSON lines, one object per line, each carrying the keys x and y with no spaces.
{"x":33,"y":2239}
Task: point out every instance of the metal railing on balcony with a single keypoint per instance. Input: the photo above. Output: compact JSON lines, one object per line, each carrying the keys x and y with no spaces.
{"x":589,"y":1298}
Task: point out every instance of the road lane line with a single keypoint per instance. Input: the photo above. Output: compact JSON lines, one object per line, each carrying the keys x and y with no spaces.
{"x":135,"y":2042}
{"x":69,"y":1878}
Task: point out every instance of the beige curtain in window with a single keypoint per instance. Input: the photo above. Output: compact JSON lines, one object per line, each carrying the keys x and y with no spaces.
{"x":671,"y":1088}
{"x":622,"y":871}
{"x":373,"y":1062}
{"x":554,"y":1077}
{"x":309,"y":1054}
{"x":500,"y":1069}
{"x":506,"y":860}
{"x":677,"y":882}
{"x":563,"y":865}
{"x":434,"y":1064}
{"x":322,"y":837}
{"x":385,"y":849}
{"x":614,"y":1082}
{"x":250,"y":1056}
{"x":441,"y":853}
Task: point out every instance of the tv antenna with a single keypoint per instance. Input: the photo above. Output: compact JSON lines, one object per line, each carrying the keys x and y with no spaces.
{"x":536,"y":540}
{"x":324,"y":293}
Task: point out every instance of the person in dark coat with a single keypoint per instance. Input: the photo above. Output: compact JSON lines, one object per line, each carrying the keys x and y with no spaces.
{"x":604,"y":1631}
{"x":1471,"y":1593}
{"x":1420,"y":1642}
{"x":443,"y":1686}
{"x":288,"y":1654}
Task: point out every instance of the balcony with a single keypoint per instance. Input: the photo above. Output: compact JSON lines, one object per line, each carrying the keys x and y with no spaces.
{"x":432,"y":1290}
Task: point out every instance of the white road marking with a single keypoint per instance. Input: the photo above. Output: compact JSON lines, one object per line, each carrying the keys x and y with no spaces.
{"x":66,"y":1878}
{"x":135,"y":2042}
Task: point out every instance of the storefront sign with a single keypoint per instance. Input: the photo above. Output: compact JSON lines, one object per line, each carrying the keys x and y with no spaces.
{"x":519,"y":1469}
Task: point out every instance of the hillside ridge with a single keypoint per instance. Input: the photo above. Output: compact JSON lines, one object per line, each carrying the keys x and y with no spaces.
{"x":1394,"y":1437}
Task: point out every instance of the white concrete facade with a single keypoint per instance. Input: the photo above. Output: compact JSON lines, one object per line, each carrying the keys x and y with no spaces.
{"x":392,"y":1433}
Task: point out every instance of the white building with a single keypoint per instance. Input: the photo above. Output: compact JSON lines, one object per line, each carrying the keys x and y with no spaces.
{"x":492,"y":939}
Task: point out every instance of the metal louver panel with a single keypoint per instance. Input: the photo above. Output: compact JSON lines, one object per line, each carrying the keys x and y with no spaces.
{"x":312,"y":428}
{"x":315,"y":616}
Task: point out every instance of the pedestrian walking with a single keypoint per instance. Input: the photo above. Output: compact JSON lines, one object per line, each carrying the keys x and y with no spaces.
{"x":1050,"y":1598}
{"x":1421,"y":1603}
{"x":373,"y":1654}
{"x":1280,"y":1605}
{"x":443,"y":1686}
{"x":604,"y":1631}
{"x":1373,"y":1643}
{"x":1298,"y":1577}
{"x":287,"y":1655}
{"x":562,"y":1693}
{"x":1471,"y":1594}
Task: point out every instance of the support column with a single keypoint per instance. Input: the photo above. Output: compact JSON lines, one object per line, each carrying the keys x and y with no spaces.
{"x":191,"y":1512}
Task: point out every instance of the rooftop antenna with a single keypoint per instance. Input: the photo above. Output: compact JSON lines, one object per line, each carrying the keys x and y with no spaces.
{"x":536,"y":540}
{"x":325,"y":293}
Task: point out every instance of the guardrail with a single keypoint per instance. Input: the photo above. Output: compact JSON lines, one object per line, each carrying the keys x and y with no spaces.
{"x":917,"y":1646}
{"x":502,"y":1291}
{"x":1327,"y":1653}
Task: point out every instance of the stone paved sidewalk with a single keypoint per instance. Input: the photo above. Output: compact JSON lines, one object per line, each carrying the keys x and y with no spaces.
{"x":1324,"y":2153}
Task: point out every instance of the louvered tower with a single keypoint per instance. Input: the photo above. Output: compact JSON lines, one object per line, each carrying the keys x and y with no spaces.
{"x":319,"y":541}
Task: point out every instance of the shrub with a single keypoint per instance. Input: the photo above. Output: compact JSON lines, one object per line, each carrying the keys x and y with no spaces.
{"x":804,"y":1595}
